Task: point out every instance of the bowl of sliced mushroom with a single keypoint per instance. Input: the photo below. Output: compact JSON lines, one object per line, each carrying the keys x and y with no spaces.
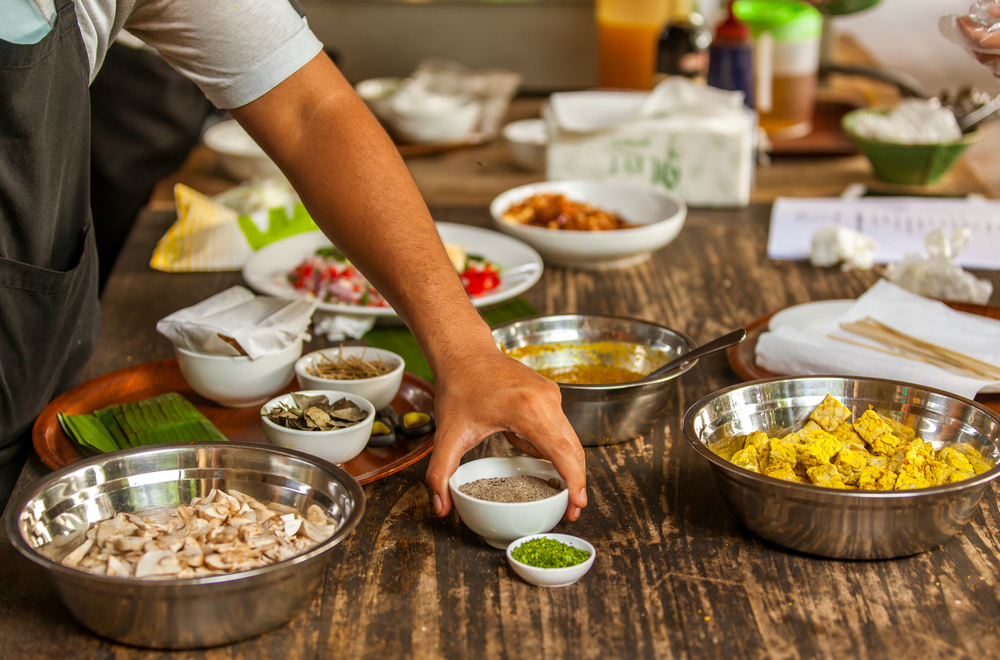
{"x":186,"y":546}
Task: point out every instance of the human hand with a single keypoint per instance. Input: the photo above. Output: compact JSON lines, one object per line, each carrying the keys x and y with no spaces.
{"x":492,"y":392}
{"x":983,"y":38}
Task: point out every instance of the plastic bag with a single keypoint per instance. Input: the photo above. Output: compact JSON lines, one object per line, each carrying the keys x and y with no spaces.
{"x":938,"y":276}
{"x":978,"y":32}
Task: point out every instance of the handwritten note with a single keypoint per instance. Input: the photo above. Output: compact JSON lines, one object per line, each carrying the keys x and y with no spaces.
{"x":899,"y":224}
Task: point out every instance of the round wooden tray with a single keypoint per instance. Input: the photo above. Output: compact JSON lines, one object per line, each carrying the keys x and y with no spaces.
{"x":238,"y":424}
{"x":742,"y":357}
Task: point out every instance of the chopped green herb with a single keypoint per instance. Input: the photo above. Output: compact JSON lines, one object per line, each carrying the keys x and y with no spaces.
{"x":548,"y":553}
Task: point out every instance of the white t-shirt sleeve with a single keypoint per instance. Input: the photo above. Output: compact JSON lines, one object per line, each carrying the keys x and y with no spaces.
{"x":234,"y":50}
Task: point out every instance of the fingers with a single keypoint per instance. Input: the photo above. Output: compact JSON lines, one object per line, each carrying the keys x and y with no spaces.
{"x":447,"y":454}
{"x":981,"y":36}
{"x":558,"y":443}
{"x":522,"y":444}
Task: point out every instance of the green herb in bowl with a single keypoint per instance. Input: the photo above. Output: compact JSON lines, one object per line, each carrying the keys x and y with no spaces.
{"x":548,"y":553}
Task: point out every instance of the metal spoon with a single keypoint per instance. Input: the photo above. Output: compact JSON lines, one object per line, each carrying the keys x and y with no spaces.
{"x":725,"y":341}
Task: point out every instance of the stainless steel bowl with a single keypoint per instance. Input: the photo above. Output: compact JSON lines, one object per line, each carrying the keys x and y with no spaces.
{"x":603,"y":414}
{"x":189,"y":613}
{"x":835,"y":523}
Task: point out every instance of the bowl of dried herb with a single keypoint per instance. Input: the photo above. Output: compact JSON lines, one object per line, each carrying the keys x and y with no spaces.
{"x":551,"y":560}
{"x":328,"y":424}
{"x":372,"y":373}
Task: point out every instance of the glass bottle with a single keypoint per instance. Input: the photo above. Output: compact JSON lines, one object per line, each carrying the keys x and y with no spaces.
{"x":684,"y":42}
{"x":627,"y":35}
{"x":730,"y":57}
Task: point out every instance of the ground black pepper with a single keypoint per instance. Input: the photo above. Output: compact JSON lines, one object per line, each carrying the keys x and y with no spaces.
{"x":522,"y":488}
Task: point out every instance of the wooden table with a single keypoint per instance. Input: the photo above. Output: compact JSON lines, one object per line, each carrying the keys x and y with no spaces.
{"x":675,"y":576}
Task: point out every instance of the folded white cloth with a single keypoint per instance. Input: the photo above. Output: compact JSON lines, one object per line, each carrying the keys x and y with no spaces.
{"x":789,"y":350}
{"x":337,"y":327}
{"x":261,"y":325}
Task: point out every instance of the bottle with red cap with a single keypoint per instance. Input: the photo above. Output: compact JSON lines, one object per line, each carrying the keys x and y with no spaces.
{"x":730,"y":57}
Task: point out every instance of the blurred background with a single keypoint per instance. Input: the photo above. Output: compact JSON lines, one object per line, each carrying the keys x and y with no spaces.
{"x":553,"y":42}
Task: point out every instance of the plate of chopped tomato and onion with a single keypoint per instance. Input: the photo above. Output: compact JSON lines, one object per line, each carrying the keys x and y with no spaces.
{"x":491,"y":266}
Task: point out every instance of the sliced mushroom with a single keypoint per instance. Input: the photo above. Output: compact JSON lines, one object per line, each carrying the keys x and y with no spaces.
{"x":316,"y":515}
{"x":318,"y":533}
{"x":73,"y":558}
{"x":158,"y":562}
{"x":119,"y":568}
{"x":292,"y":524}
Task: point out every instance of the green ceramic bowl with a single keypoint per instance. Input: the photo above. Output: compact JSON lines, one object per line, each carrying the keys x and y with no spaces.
{"x":910,"y":164}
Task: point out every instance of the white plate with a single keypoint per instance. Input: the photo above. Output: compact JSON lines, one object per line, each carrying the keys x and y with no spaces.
{"x":520,"y":266}
{"x":812,"y":317}
{"x":821,"y":316}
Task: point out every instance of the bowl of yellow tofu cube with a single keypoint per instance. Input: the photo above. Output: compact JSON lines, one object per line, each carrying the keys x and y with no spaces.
{"x":850,"y":468}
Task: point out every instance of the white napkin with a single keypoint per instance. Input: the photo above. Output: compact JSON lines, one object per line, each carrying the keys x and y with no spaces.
{"x":337,"y":327}
{"x":261,"y":325}
{"x":586,"y":112}
{"x":788,"y":350}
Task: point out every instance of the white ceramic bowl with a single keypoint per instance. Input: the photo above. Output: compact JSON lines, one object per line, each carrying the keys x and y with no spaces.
{"x":440,"y":125}
{"x":239,"y":155}
{"x":526,"y":142}
{"x":238,"y":382}
{"x":337,"y":446}
{"x":375,"y":92}
{"x":500,"y":523}
{"x":661,"y":214}
{"x":552,"y":577}
{"x":380,"y":390}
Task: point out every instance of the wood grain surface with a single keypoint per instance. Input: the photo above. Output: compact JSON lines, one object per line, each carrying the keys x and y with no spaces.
{"x":675,"y":575}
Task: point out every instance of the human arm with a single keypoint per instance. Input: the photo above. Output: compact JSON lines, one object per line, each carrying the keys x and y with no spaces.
{"x":357,"y":188}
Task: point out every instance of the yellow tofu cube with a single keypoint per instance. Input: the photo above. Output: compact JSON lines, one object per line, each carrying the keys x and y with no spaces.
{"x":885,"y":445}
{"x":876,"y":478}
{"x":830,"y":414}
{"x":826,"y":476}
{"x":761,"y":444}
{"x":938,"y":472}
{"x":908,"y":481}
{"x":955,"y":459}
{"x":911,"y":458}
{"x":812,"y":426}
{"x":747,"y":459}
{"x":900,"y":430}
{"x":781,"y":459}
{"x":850,"y":438}
{"x":979,"y":463}
{"x":850,"y":463}
{"x":819,"y":451}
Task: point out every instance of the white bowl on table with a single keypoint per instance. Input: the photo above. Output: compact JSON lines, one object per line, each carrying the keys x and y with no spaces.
{"x":431,"y":126}
{"x":660,"y":213}
{"x":552,"y":577}
{"x":380,"y":390}
{"x":336,"y":446}
{"x":238,"y":381}
{"x":499,"y":523}
{"x":376,"y":93}
{"x":526,"y":142}
{"x":239,"y":156}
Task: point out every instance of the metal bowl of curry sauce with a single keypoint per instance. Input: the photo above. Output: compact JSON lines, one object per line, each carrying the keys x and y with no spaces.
{"x":596,"y":361}
{"x":829,"y":522}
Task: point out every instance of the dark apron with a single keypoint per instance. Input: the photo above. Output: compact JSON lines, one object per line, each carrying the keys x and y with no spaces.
{"x":49,"y":316}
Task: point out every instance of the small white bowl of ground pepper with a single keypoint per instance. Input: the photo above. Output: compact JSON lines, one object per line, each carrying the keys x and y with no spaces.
{"x":506,"y":497}
{"x":551,"y":560}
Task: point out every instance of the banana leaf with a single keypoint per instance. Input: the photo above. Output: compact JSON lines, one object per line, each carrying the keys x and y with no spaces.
{"x":163,"y":419}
